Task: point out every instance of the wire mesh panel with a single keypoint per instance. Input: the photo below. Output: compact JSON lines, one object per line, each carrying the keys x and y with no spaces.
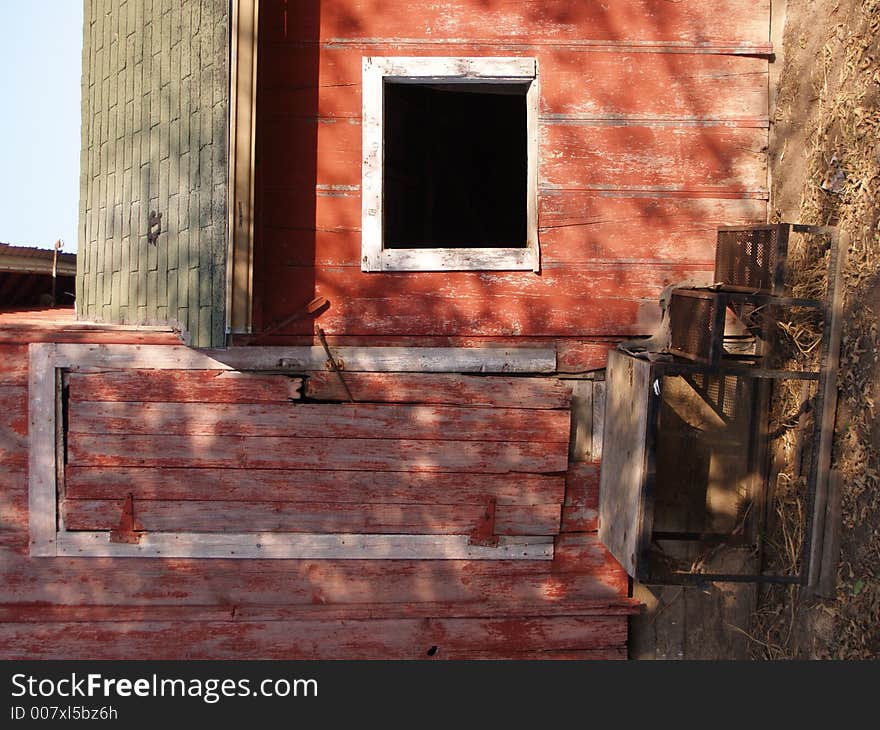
{"x":696,"y":323}
{"x":752,"y":258}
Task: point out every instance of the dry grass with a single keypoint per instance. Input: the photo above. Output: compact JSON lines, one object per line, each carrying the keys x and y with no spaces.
{"x":844,"y":133}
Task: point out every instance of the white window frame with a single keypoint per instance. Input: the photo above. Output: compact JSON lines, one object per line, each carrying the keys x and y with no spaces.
{"x":420,"y":70}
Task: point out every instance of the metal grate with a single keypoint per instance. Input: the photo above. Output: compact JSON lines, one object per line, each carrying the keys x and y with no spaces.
{"x":694,"y":318}
{"x":752,"y":258}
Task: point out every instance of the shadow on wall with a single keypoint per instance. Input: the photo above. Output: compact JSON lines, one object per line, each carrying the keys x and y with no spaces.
{"x":644,"y":150}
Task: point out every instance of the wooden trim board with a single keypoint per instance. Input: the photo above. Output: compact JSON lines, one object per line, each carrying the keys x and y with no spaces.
{"x":48,"y":539}
{"x":242,"y":140}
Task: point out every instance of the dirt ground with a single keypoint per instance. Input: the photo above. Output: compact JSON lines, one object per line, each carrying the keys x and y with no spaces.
{"x":825,"y":162}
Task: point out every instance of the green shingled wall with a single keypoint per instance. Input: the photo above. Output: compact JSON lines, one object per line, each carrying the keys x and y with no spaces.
{"x":155,"y":94}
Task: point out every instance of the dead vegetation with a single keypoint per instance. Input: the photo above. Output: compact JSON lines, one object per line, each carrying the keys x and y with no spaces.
{"x":828,"y":113}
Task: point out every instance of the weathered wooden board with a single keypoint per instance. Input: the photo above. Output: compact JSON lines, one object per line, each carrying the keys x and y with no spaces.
{"x":492,"y":391}
{"x":573,"y":354}
{"x":581,"y":437}
{"x":91,"y":333}
{"x":329,"y":612}
{"x":582,"y":300}
{"x":13,"y":364}
{"x":556,"y":21}
{"x":321,"y":420}
{"x":248,"y":452}
{"x":581,"y":569}
{"x":626,"y":484}
{"x":579,"y":227}
{"x":312,"y":517}
{"x":600,"y":392}
{"x":580,"y":511}
{"x":695,"y":159}
{"x":377,"y":487}
{"x":583,"y":552}
{"x":582,"y":485}
{"x":643,"y":85}
{"x":303,"y":546}
{"x":314,"y":639}
{"x":573,"y":156}
{"x":184,"y":386}
{"x":298,"y":359}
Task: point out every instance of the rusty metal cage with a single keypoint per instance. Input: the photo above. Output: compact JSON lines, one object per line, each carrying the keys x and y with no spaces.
{"x":752,"y":258}
{"x":696,"y":324}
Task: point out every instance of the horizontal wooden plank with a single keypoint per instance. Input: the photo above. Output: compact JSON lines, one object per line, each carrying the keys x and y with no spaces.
{"x":41,"y":613}
{"x":308,"y":639}
{"x":490,"y":391}
{"x":574,"y":354}
{"x":581,"y":82}
{"x":370,"y":359}
{"x":689,"y":159}
{"x":311,"y":517}
{"x":396,"y":359}
{"x":572,"y":300}
{"x":184,"y":386}
{"x":302,"y":546}
{"x":318,"y":486}
{"x":580,"y":227}
{"x":575,"y":227}
{"x":321,"y":420}
{"x":745,"y":21}
{"x":573,"y":156}
{"x":92,"y":333}
{"x":652,"y":86}
{"x":246,"y":452}
{"x":581,"y":569}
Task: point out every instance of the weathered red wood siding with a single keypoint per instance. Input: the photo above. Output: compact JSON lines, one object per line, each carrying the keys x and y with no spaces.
{"x":653,"y":129}
{"x":573,"y":607}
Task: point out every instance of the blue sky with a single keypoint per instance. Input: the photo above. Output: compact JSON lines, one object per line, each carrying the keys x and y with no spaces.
{"x":39,"y":121}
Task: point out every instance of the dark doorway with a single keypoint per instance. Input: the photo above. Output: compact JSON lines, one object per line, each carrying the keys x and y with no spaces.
{"x":455,"y":165}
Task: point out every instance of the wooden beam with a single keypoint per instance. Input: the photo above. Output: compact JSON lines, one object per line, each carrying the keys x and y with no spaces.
{"x":827,"y":414}
{"x":441,"y":388}
{"x":41,"y":453}
{"x":242,"y":139}
{"x":298,"y":359}
{"x":279,"y":452}
{"x":304,"y":547}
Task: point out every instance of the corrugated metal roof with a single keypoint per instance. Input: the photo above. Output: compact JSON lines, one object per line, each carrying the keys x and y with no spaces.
{"x":35,"y":260}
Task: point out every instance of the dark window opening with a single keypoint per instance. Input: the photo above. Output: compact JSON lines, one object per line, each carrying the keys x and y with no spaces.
{"x":456,"y":164}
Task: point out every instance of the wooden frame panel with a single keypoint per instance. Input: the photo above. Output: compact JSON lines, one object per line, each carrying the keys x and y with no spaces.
{"x":48,"y":538}
{"x":417,"y":69}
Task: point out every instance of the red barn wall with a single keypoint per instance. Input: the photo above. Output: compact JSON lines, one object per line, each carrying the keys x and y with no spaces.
{"x":653,"y":131}
{"x":574,"y":606}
